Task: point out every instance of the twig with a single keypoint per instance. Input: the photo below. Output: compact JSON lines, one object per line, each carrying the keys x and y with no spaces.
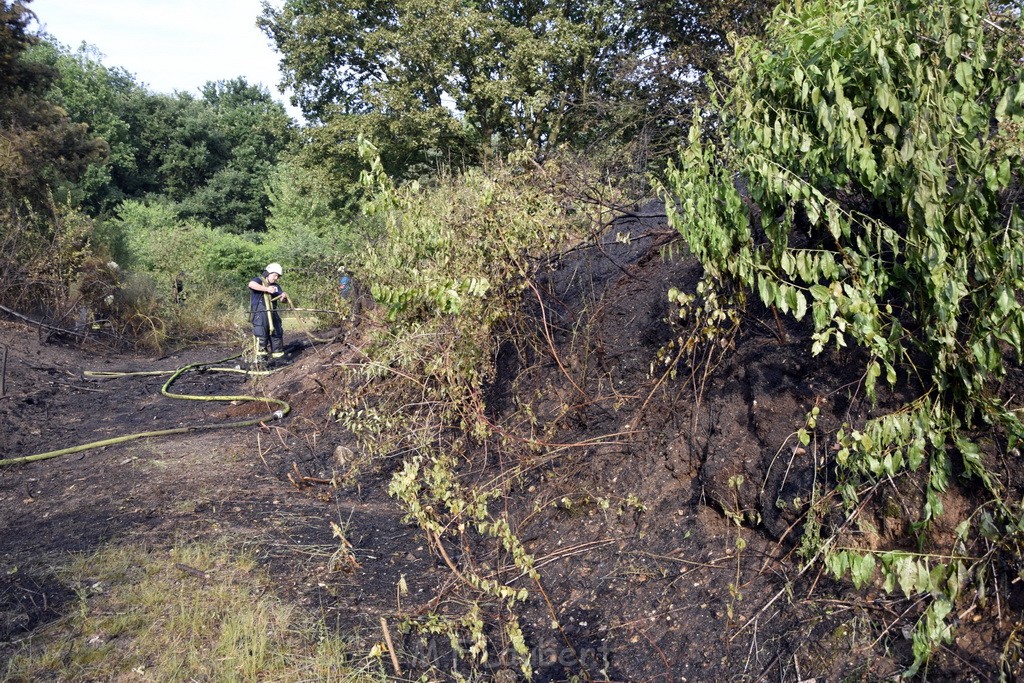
{"x":568,"y":552}
{"x":547,"y":336}
{"x":300,"y":480}
{"x":297,"y":480}
{"x":661,"y":653}
{"x":391,"y":646}
{"x":783,"y":338}
{"x":764,"y":609}
{"x":893,"y":623}
{"x":191,"y":570}
{"x":40,"y":323}
{"x":259,"y":450}
{"x":558,"y":624}
{"x":448,"y":560}
{"x":764,"y":674}
{"x":3,"y":373}
{"x":80,"y":388}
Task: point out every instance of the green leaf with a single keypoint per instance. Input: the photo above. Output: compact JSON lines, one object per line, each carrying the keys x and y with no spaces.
{"x":788,"y":263}
{"x":862,"y":570}
{"x":1004,"y":173}
{"x":799,"y":305}
{"x":908,"y":575}
{"x":964,"y":75}
{"x":1002,"y":106}
{"x":837,"y":563}
{"x":953,"y":45}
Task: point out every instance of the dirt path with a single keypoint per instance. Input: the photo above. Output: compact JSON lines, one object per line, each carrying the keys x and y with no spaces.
{"x":158,"y":492}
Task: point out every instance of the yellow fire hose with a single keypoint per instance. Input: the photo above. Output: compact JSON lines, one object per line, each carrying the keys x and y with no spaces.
{"x":165,"y":390}
{"x":270,"y":316}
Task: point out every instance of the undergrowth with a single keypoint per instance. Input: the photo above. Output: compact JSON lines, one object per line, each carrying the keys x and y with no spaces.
{"x":452,"y":270}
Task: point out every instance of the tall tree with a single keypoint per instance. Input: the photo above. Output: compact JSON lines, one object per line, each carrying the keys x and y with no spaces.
{"x":42,"y":152}
{"x":211,"y":156}
{"x":256,"y":131}
{"x":464,"y":76}
{"x":98,"y":96}
{"x":461,"y":74}
{"x":40,"y":147}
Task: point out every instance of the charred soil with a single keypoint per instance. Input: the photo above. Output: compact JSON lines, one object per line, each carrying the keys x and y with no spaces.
{"x":664,"y":513}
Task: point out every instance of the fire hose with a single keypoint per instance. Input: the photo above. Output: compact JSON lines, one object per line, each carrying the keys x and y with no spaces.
{"x":280,"y":413}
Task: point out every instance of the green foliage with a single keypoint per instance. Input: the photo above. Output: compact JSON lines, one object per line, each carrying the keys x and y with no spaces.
{"x":913,"y":575}
{"x":459,"y":249}
{"x":42,"y":152}
{"x":449,"y":269}
{"x":161,"y":242}
{"x":97,"y":96}
{"x":886,"y":160}
{"x":164,"y":251}
{"x":256,"y":131}
{"x":867,"y":176}
{"x":452,"y":81}
{"x":212,"y":156}
{"x":312,"y":230}
{"x":449,"y":266}
{"x":41,"y":149}
{"x":513,"y":72}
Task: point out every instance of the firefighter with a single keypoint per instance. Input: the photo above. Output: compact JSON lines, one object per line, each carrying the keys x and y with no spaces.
{"x":264,"y":295}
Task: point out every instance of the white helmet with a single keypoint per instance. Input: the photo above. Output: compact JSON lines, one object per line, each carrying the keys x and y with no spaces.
{"x":274,"y":268}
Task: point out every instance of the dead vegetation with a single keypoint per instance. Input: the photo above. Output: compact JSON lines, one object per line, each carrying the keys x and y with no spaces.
{"x":644,"y":504}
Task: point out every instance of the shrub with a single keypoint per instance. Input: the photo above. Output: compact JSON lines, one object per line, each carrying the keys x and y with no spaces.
{"x":868,"y":174}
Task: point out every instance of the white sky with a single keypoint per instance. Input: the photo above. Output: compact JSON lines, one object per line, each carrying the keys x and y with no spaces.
{"x":169,"y":45}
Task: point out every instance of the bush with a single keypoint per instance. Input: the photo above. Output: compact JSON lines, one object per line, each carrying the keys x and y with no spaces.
{"x":868,"y":174}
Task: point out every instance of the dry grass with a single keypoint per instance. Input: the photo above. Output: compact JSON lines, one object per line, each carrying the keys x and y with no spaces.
{"x":199,"y":612}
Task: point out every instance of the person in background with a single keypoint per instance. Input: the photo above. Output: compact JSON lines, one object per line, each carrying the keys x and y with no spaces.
{"x":349,"y":292}
{"x":179,"y":288}
{"x":344,"y":285}
{"x":264,"y":295}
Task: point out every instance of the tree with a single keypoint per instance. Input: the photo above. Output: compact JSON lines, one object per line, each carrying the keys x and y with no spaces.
{"x":454,"y":73}
{"x":40,"y":147}
{"x":42,"y":152}
{"x":456,"y":78}
{"x":256,"y":131}
{"x":879,"y":143}
{"x":97,"y":96}
{"x":210,"y":156}
{"x":680,"y":46}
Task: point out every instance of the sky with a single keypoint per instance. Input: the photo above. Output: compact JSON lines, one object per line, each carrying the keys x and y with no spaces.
{"x":169,"y":45}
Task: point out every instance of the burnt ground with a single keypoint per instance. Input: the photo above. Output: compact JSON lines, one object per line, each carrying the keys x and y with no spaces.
{"x":664,"y":513}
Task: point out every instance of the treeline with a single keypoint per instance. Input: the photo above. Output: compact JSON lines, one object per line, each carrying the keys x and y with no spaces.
{"x":209,"y":158}
{"x":96,"y":170}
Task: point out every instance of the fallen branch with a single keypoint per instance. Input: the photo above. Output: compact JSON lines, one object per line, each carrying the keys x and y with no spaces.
{"x":391,"y":646}
{"x":39,"y":323}
{"x":299,"y":480}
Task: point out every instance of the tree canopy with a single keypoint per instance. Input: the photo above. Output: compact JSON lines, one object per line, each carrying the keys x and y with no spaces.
{"x":469,"y":77}
{"x":211,"y":155}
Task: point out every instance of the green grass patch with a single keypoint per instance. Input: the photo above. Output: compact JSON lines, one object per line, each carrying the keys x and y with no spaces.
{"x":199,"y":612}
